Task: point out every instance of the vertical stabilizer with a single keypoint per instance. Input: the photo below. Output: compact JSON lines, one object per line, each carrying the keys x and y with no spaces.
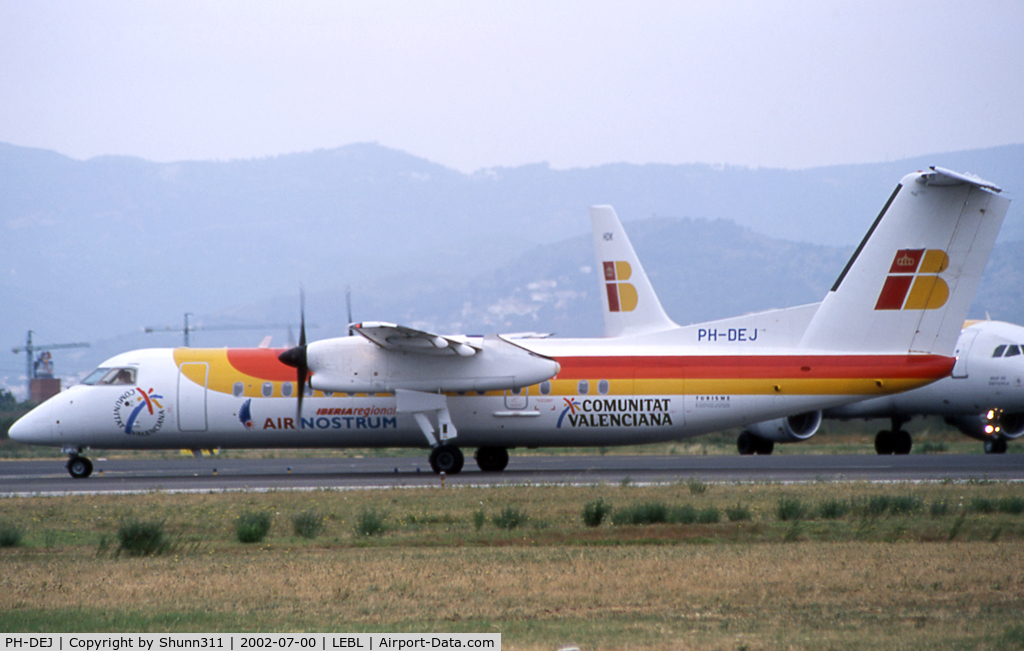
{"x":630,"y":305}
{"x":910,"y":283}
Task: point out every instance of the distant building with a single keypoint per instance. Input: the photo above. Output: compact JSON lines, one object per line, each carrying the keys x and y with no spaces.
{"x":41,"y":388}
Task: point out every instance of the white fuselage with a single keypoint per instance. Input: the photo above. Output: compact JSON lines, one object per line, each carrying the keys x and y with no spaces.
{"x":606,"y":393}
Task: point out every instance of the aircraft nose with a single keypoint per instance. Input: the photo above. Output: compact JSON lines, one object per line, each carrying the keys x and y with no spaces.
{"x":32,"y":428}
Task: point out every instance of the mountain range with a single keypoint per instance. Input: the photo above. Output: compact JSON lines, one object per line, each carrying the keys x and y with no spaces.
{"x":95,"y":250}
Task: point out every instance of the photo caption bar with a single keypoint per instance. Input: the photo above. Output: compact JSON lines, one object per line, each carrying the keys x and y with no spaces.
{"x":247,"y":641}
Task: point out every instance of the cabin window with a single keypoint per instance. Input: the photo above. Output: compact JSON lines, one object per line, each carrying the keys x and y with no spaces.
{"x":603,"y":387}
{"x":268,"y":389}
{"x":545,"y":388}
{"x":583,"y":388}
{"x":308,"y":391}
{"x":286,"y":389}
{"x":998,"y":352}
{"x":111,"y":376}
{"x":238,"y":389}
{"x":517,"y":391}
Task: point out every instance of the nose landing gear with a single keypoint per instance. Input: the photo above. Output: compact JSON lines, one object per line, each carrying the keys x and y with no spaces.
{"x":79,"y":467}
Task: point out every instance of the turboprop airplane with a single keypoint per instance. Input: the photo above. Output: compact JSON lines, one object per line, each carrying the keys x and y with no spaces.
{"x":889,"y":324}
{"x":983,"y":397}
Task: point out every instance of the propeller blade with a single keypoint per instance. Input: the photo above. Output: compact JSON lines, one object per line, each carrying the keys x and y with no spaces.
{"x":302,"y":318}
{"x":301,"y":381}
{"x":303,"y":369}
{"x":296,"y":356}
{"x":348,"y":305}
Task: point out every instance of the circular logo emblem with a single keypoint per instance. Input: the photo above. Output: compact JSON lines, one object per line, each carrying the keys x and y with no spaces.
{"x":139,"y":413}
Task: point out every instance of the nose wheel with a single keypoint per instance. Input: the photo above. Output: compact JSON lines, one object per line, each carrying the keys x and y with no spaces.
{"x":995,"y":446}
{"x":79,"y":467}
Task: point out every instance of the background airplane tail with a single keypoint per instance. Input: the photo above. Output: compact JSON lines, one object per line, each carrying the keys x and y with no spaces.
{"x":909,"y":285}
{"x":630,"y":305}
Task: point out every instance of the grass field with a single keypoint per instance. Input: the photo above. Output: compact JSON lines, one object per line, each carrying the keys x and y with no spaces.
{"x":711,"y":566}
{"x":689,"y":565}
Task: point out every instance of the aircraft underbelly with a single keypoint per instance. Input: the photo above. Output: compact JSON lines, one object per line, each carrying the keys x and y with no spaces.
{"x":481,"y":420}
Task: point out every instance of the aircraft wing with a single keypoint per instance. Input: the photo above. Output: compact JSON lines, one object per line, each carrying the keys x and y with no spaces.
{"x":409,"y":340}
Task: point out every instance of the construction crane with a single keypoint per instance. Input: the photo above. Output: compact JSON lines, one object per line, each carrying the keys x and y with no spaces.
{"x":192,"y":328}
{"x":30,"y":349}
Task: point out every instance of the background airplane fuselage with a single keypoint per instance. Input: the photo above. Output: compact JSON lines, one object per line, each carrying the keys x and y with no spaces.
{"x":989,"y":374}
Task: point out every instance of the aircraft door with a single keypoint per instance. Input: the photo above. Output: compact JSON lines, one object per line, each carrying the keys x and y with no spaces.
{"x":516,"y":398}
{"x":962,"y":353}
{"x":192,"y":381}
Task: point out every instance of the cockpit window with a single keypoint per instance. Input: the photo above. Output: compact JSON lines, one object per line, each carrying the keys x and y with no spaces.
{"x":998,"y":352}
{"x":1012,"y":350}
{"x":108,"y":376}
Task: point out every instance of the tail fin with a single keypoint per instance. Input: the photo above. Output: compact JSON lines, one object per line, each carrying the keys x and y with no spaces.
{"x":630,"y":305}
{"x":910,"y":283}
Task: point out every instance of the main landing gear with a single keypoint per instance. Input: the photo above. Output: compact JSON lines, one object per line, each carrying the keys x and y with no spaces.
{"x":449,"y":459}
{"x":79,"y":467}
{"x":894,"y":441}
{"x":748,"y":443}
{"x":492,"y":459}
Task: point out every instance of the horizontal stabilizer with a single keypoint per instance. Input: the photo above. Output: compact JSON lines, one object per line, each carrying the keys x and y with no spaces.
{"x":942,"y":176}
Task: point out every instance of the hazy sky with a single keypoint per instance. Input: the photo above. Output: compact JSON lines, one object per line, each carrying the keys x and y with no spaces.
{"x":478,"y":84}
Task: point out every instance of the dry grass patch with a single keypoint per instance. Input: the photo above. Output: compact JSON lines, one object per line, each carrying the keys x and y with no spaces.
{"x":855,"y":581}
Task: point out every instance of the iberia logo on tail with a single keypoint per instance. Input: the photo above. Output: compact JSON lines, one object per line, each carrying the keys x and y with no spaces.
{"x":913,"y":282}
{"x":622,"y":296}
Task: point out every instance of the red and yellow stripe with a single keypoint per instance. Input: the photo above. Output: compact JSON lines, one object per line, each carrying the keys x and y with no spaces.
{"x":754,"y":374}
{"x":860,"y":375}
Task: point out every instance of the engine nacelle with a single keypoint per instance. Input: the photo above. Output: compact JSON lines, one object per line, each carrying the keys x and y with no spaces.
{"x":798,"y":427}
{"x":354,"y":365}
{"x":1010,"y":426}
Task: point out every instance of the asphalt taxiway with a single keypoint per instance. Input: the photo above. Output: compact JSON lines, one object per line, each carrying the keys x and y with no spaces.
{"x":19,"y":477}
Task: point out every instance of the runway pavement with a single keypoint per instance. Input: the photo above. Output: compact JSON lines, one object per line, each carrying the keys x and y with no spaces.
{"x":215,"y":473}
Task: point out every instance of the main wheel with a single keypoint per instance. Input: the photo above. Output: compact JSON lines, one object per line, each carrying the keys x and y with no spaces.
{"x":447,"y":459}
{"x":746,"y":444}
{"x":492,"y":459}
{"x":79,"y":467}
{"x":884,"y":443}
{"x":902,"y":442}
